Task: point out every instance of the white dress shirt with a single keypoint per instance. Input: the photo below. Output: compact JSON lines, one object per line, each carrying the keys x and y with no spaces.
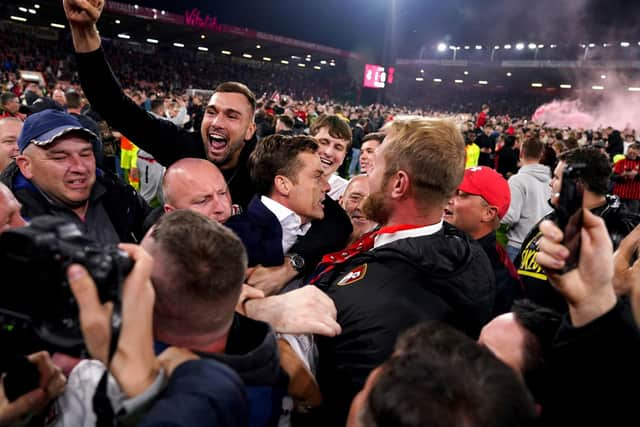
{"x":290,"y":222}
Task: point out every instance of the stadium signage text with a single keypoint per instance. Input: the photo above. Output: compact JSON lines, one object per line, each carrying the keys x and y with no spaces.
{"x":193,"y":18}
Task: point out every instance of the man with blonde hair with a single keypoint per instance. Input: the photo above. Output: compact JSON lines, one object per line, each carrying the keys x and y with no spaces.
{"x":414,"y":268}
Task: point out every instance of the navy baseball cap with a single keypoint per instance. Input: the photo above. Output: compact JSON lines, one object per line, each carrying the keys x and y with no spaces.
{"x":45,"y":127}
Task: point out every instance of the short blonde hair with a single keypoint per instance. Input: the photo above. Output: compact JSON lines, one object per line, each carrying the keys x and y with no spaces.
{"x":431,"y":152}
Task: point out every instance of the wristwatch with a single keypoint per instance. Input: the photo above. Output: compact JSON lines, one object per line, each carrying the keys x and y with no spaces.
{"x":297,"y":262}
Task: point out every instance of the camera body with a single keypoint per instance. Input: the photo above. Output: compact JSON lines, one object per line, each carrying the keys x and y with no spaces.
{"x":37,"y":309}
{"x":569,"y":212}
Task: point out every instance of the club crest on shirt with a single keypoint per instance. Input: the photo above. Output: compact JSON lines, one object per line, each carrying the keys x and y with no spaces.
{"x":353,"y":276}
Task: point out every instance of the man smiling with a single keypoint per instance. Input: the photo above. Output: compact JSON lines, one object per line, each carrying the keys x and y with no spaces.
{"x":55,"y":174}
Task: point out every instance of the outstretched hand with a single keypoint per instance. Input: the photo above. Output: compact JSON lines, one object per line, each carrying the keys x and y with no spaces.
{"x":588,"y":288}
{"x":82,"y":13}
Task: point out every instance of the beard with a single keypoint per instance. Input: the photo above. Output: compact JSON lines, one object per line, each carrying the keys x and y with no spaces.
{"x":377,"y":207}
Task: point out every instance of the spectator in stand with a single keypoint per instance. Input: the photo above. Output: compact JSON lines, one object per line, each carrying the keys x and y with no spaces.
{"x":530,"y":193}
{"x":626,"y":180}
{"x":10,"y":105}
{"x":10,"y":128}
{"x":74,"y":104}
{"x":615,"y":144}
{"x":370,"y":144}
{"x":487,"y":143}
{"x":481,"y":200}
{"x":60,"y":97}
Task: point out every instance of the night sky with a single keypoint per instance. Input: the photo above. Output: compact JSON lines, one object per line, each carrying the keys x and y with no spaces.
{"x":362,"y":25}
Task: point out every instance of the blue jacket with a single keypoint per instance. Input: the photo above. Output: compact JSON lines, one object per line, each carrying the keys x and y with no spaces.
{"x":201,"y":393}
{"x":260,"y":232}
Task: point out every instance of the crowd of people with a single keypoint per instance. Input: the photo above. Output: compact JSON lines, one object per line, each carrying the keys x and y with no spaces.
{"x":299,"y":261}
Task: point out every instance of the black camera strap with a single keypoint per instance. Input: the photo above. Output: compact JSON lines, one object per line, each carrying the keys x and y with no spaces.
{"x":105,"y":416}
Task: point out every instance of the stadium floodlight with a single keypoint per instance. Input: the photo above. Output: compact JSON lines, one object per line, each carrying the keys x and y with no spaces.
{"x":532,"y":46}
{"x":605,"y":44}
{"x":308,"y":59}
{"x":225,"y":52}
{"x":55,"y":25}
{"x":507,"y":46}
{"x":152,"y":41}
{"x":483,"y":82}
{"x":458,"y":81}
{"x":202,"y":36}
{"x":436,"y":80}
{"x":540,"y":46}
{"x":32,"y":11}
{"x":536,"y":84}
{"x":509,"y":74}
{"x":466,"y":73}
{"x":553,"y":46}
{"x":247,"y":55}
{"x":333,"y":64}
{"x":496,"y":47}
{"x":317,"y":67}
{"x":266,"y":59}
{"x":478,"y":47}
{"x":117,"y":21}
{"x":37,"y":6}
{"x":597,"y":87}
{"x":419,"y":79}
{"x":162,"y":12}
{"x":135,"y":6}
{"x":258,"y":46}
{"x":301,"y":65}
{"x":519,"y":46}
{"x":603,"y":76}
{"x":323,"y":62}
{"x":583,"y":45}
{"x":203,"y":49}
{"x":442,"y":47}
{"x":467,"y":47}
{"x":634,"y":89}
{"x":284,"y":61}
{"x":624,"y":44}
{"x":22,"y":9}
{"x":124,"y":36}
{"x":18,"y":18}
{"x":295,"y":57}
{"x":453,"y":48}
{"x":592,"y":45}
{"x":565,"y":86}
{"x":178,"y":44}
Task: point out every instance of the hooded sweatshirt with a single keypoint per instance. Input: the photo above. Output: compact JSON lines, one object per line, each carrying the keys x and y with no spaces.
{"x":530,"y":193}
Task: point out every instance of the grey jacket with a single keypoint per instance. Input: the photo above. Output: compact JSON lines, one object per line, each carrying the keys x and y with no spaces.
{"x":530,"y":193}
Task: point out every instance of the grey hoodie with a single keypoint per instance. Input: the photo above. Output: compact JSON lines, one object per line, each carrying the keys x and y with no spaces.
{"x":530,"y":193}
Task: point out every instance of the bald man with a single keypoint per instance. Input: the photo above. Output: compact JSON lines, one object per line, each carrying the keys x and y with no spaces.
{"x":198,"y":185}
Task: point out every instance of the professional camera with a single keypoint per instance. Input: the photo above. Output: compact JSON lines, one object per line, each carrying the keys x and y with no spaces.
{"x":37,"y":309}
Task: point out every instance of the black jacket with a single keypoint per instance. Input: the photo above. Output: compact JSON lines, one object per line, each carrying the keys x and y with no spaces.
{"x":168,"y":143}
{"x":381,"y":293}
{"x":124,"y":206}
{"x":619,"y":221}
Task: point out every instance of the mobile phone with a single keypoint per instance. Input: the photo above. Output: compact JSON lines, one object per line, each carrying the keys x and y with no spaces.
{"x":569,"y":213}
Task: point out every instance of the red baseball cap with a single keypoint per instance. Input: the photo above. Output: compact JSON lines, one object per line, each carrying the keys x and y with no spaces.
{"x":490,"y":185}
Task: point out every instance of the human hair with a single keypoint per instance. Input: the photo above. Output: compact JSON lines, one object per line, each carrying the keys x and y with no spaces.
{"x":336,"y":127}
{"x":532,"y":149}
{"x":6,"y":97}
{"x":376,"y":136}
{"x":157,"y":104}
{"x":542,"y":323}
{"x":597,"y":164}
{"x":448,"y":381}
{"x":285,"y":120}
{"x":205,"y":265}
{"x":634,"y":146}
{"x":431,"y":152}
{"x":277,"y":155}
{"x":74,"y":99}
{"x":236,"y":87}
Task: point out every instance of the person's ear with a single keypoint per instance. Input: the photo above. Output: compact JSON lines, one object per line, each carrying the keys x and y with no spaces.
{"x":282,"y":185}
